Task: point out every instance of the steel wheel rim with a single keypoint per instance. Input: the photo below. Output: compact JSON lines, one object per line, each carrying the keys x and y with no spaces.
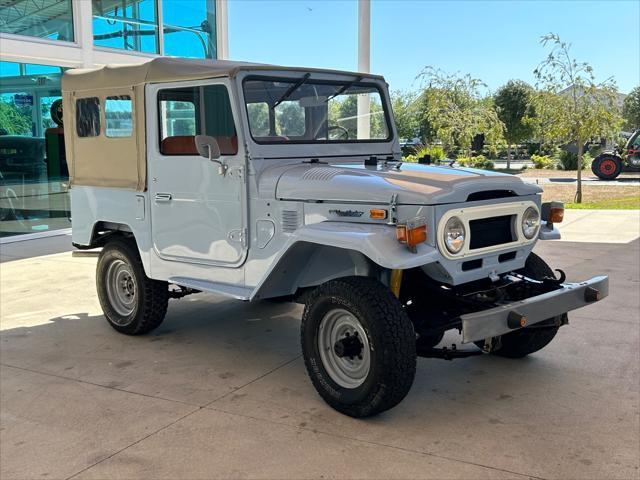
{"x":607,"y":166}
{"x":121,"y":289}
{"x":345,"y":371}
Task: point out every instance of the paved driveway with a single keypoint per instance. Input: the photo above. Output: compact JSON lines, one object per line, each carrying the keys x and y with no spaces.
{"x":220,"y":390}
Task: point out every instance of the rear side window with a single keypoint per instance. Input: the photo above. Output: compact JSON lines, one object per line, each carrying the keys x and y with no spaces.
{"x":189,"y":111}
{"x":88,"y":117}
{"x":118,"y":116}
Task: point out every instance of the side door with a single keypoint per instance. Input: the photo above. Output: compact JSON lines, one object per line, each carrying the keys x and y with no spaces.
{"x":198,"y":214}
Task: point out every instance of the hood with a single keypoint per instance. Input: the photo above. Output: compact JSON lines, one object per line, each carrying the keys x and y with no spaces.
{"x":414,"y":184}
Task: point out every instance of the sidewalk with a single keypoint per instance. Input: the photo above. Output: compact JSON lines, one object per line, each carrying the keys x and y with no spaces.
{"x":600,"y":226}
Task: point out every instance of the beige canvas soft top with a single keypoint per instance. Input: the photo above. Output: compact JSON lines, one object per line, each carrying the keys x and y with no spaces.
{"x":120,"y":162}
{"x":165,"y":69}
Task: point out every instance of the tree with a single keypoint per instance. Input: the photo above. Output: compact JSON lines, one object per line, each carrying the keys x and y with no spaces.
{"x":573,"y":106}
{"x":631,"y":109}
{"x":455,"y":109}
{"x":405,"y":112}
{"x":513,"y":104}
{"x":14,"y":120}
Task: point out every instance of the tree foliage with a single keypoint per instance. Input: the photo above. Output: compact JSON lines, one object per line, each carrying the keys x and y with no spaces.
{"x":631,"y":109}
{"x":514,"y":107}
{"x":14,"y":120}
{"x":571,"y":104}
{"x":405,"y":111}
{"x":456,"y":110}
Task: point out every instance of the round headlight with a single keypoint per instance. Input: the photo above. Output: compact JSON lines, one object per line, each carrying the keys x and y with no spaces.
{"x":530,"y":222}
{"x":454,"y":234}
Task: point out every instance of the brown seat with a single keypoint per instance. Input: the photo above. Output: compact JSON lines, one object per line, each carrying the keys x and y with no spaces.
{"x":179,"y":145}
{"x":186,"y":145}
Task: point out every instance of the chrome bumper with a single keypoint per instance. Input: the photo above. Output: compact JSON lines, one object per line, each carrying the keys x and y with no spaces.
{"x":494,"y":321}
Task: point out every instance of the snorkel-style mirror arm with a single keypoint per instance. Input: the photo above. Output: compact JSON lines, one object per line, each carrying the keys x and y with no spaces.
{"x":222,"y":167}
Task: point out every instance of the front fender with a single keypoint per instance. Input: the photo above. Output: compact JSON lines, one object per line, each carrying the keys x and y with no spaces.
{"x":328,"y":250}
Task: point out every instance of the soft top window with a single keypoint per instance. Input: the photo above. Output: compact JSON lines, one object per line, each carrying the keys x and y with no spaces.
{"x":88,"y":117}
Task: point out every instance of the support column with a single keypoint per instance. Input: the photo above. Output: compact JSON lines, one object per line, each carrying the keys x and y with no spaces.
{"x":364,"y":65}
{"x":222,"y":30}
{"x":83,"y":15}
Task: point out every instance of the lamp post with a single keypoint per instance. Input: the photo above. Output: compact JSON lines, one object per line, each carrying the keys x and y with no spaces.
{"x":364,"y":65}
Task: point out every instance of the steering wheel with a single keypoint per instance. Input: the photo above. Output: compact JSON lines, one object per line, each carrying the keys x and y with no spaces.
{"x":343,"y":133}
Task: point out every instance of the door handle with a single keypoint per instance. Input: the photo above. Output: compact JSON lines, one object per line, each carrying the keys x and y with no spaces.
{"x":163,"y":197}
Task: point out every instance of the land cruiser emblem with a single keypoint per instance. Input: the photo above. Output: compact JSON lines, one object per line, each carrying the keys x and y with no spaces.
{"x":347,"y":213}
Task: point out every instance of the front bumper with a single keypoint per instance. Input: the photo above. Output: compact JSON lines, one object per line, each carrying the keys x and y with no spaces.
{"x":570,"y":296}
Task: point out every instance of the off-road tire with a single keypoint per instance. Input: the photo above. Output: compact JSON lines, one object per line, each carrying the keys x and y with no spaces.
{"x":525,"y":341}
{"x":606,"y":166}
{"x":391,"y":338}
{"x":152,"y":296}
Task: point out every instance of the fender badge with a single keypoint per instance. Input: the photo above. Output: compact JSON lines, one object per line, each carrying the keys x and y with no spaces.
{"x":346,"y":213}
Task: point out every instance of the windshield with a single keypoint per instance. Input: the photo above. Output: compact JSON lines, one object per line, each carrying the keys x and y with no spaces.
{"x":300,"y":110}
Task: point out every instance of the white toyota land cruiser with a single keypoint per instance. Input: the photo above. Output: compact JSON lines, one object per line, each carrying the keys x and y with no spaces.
{"x":259,"y":182}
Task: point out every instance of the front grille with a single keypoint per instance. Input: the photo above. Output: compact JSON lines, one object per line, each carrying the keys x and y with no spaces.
{"x":487,"y":232}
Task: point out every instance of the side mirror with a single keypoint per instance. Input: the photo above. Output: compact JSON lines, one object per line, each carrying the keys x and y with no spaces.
{"x":207,"y":147}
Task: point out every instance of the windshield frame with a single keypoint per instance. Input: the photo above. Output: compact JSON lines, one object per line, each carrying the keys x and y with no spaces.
{"x":367,"y":82}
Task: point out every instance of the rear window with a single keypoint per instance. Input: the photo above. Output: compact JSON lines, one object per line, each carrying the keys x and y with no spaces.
{"x":88,"y":117}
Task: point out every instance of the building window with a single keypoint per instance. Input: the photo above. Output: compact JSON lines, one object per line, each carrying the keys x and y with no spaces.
{"x":126,"y":24}
{"x":189,"y":28}
{"x":51,"y":19}
{"x":88,"y":117}
{"x":33,"y":167}
{"x":187,"y":112}
{"x":118,"y":116}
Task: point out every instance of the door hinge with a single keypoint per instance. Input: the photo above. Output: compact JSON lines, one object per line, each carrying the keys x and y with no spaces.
{"x":238,"y":236}
{"x":236,"y":172}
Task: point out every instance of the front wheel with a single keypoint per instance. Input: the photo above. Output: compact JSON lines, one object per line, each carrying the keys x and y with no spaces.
{"x":525,"y":341}
{"x":359,"y":346}
{"x":132,"y":302}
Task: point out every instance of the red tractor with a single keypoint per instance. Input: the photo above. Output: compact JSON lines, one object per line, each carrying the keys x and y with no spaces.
{"x":608,"y":165}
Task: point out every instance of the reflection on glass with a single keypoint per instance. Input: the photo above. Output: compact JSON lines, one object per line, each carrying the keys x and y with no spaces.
{"x":126,"y":24}
{"x":33,"y":168}
{"x":189,"y":28}
{"x":51,"y":19}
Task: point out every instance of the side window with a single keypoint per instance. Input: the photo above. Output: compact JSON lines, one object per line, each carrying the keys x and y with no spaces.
{"x":190,"y":111}
{"x":88,"y":117}
{"x":118,"y":116}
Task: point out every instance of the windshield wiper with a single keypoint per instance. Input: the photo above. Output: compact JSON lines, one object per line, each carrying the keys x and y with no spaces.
{"x":292,"y":89}
{"x":345,"y":87}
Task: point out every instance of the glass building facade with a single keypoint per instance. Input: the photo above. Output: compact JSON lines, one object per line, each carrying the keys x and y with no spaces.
{"x":33,"y":170}
{"x":180,"y":28}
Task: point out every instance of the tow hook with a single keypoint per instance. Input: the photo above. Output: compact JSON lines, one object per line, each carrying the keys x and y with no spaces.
{"x":445,"y":353}
{"x":552,"y":281}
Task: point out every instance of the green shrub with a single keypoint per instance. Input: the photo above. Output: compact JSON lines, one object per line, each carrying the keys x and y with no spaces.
{"x":569,"y":160}
{"x":479,"y":161}
{"x":436,"y":152}
{"x":543,"y":161}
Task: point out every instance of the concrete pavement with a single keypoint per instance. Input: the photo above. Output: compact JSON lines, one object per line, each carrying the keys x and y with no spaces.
{"x":220,"y":390}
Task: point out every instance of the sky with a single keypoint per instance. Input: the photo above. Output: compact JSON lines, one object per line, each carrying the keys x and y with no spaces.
{"x":494,"y":41}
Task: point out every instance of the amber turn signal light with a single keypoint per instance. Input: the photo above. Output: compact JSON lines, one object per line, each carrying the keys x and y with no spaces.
{"x":413,"y":233}
{"x":378,"y":213}
{"x":556,"y":215}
